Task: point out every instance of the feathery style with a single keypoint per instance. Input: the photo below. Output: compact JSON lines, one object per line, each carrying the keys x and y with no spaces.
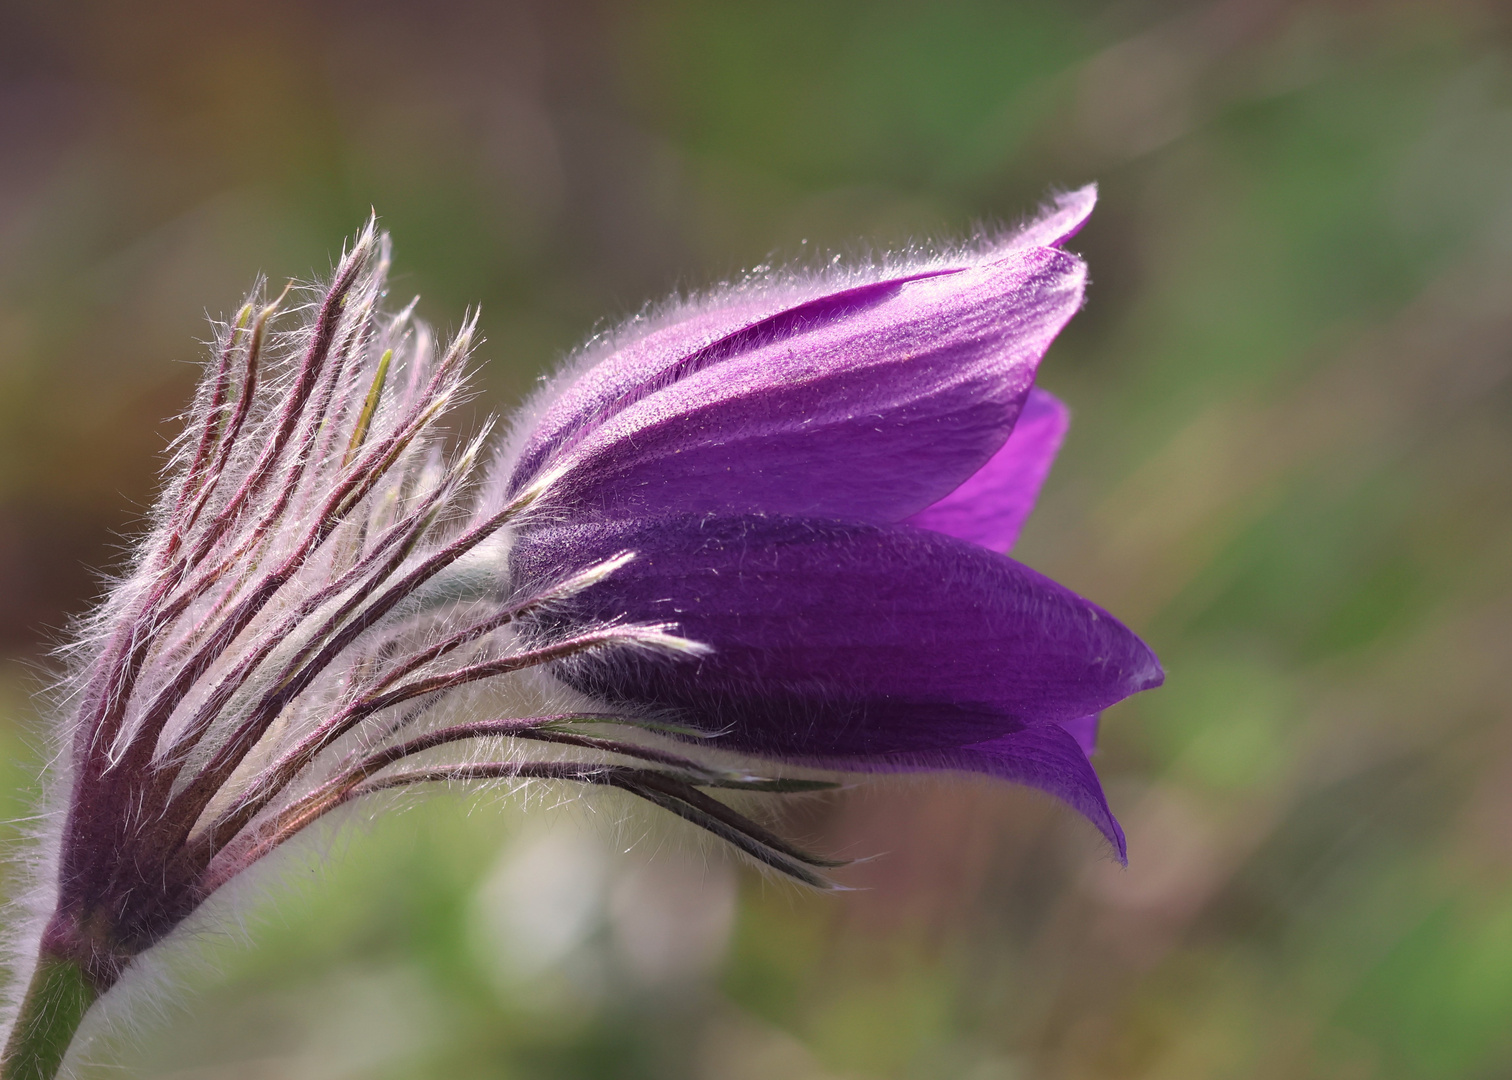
{"x":767,"y":527}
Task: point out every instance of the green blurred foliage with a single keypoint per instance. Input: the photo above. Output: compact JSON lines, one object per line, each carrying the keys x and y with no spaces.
{"x":1288,"y":468}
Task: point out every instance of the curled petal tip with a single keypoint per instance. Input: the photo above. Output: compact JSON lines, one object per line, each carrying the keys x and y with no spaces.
{"x":1058,"y":221}
{"x":1151,"y":673}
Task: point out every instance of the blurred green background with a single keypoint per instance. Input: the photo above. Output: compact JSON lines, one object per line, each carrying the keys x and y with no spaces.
{"x":1290,"y":468}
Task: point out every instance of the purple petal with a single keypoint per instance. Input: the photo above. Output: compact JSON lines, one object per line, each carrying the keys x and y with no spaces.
{"x":582,"y":398}
{"x":1057,"y":223}
{"x":869,"y":406}
{"x":833,"y":638}
{"x":591,"y":396}
{"x":991,"y":507}
{"x":1084,"y":730}
{"x":697,"y":339}
{"x":1051,"y":759}
{"x":1047,"y":757}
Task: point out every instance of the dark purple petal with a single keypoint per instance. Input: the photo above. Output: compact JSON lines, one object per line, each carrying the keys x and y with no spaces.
{"x":1047,"y":757}
{"x":991,"y":507}
{"x":833,"y":638}
{"x":870,"y":409}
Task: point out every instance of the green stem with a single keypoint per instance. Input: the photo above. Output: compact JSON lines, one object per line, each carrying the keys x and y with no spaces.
{"x":59,"y":995}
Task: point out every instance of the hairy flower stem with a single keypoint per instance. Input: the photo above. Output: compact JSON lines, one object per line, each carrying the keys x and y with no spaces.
{"x":56,"y":1000}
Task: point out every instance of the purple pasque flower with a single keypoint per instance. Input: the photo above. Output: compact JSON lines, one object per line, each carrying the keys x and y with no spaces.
{"x":819,"y":483}
{"x":770,"y":526}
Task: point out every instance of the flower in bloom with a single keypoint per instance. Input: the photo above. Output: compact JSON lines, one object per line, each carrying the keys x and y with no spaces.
{"x":767,"y":528}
